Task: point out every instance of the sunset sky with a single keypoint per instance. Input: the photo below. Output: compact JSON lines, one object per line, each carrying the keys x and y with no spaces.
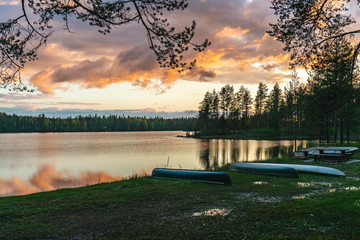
{"x":86,"y":73}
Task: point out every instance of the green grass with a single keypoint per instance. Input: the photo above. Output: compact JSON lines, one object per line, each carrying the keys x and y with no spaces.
{"x":255,"y":207}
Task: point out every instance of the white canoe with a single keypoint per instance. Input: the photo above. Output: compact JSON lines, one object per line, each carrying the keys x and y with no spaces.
{"x":281,"y":171}
{"x":308,"y":169}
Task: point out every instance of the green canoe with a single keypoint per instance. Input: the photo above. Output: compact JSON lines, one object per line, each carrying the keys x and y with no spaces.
{"x":282,"y":171}
{"x":195,"y":175}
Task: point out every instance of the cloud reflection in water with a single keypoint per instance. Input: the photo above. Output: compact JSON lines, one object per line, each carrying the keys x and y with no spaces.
{"x":47,"y":179}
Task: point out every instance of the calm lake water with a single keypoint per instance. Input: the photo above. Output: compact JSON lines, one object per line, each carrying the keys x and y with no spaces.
{"x":34,"y":162}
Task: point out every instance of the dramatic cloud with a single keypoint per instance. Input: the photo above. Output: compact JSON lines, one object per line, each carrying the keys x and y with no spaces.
{"x":241,"y":51}
{"x":137,"y":65}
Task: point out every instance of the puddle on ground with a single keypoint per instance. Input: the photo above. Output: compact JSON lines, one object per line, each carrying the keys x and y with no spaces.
{"x":352,"y":188}
{"x":259,"y":183}
{"x":255,"y":197}
{"x":312,"y":184}
{"x":330,"y":190}
{"x":212,"y":212}
{"x":268,"y":199}
{"x":353,"y":178}
{"x":307,"y":195}
{"x":303,"y":196}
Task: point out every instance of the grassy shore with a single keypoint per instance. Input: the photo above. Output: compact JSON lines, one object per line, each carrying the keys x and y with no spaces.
{"x":253,"y":207}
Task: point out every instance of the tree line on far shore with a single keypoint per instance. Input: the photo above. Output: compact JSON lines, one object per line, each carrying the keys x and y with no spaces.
{"x":41,"y":123}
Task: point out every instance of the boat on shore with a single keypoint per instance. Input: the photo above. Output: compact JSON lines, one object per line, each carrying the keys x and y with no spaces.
{"x":307,"y":168}
{"x":262,"y":169}
{"x":194,"y":175}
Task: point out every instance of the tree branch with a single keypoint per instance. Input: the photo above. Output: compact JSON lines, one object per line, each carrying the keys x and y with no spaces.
{"x":9,"y":24}
{"x":148,"y":30}
{"x":338,"y":36}
{"x":27,"y":20}
{"x":102,"y":17}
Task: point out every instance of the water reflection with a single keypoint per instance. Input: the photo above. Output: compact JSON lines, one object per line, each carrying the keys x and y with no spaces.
{"x":46,"y":161}
{"x":47,"y":179}
{"x":218,"y":152}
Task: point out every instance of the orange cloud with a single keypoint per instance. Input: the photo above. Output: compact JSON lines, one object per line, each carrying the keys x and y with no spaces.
{"x":234,"y":33}
{"x":43,"y":81}
{"x":137,"y":66}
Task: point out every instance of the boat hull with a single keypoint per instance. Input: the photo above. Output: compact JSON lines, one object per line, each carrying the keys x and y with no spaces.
{"x":308,"y":169}
{"x":194,"y":175}
{"x":281,"y":171}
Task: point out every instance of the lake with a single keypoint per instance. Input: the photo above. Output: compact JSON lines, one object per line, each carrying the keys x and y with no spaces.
{"x":34,"y":162}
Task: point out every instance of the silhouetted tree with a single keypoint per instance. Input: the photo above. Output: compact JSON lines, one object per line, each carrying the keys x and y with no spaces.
{"x":204,"y":112}
{"x":246,"y":108}
{"x":214,"y":106}
{"x":226,"y":96}
{"x":236,"y":105}
{"x":273,"y":106}
{"x":260,"y":103}
{"x":332,"y":84}
{"x":291,"y":95}
{"x":260,"y":98}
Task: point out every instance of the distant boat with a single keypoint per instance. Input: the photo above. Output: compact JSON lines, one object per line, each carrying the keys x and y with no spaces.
{"x":263,"y":169}
{"x":307,"y":168}
{"x":195,"y":175}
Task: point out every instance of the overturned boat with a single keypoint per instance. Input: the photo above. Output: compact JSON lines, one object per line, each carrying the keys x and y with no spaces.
{"x":263,"y":169}
{"x":304,"y":168}
{"x":194,"y":175}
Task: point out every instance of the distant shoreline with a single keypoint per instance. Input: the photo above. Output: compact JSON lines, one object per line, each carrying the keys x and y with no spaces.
{"x":241,"y":137}
{"x":97,"y":131}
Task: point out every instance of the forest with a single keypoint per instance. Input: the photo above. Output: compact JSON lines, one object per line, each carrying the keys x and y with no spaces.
{"x":326,"y":107}
{"x":41,"y":123}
